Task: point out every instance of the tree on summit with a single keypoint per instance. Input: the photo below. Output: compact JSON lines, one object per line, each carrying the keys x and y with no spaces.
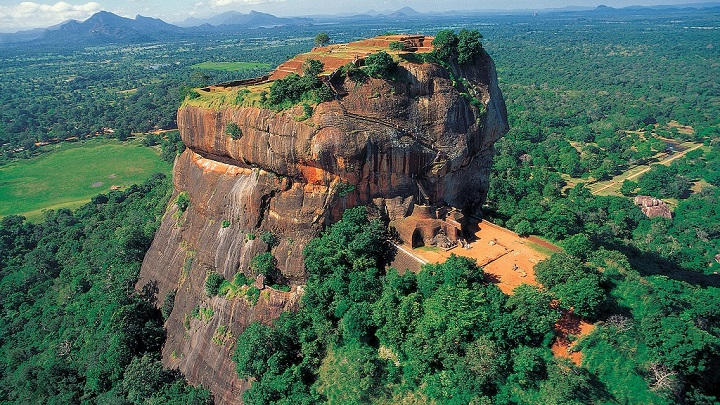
{"x":295,"y":88}
{"x":462,"y":47}
{"x":322,"y":39}
{"x":468,"y":45}
{"x":445,"y":44}
{"x":380,"y":65}
{"x":312,"y":68}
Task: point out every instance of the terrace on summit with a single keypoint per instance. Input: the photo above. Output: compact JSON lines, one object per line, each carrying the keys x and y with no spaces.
{"x":333,"y":57}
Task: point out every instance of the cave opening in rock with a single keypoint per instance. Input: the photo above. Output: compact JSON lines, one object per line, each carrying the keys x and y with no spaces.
{"x":417,"y":239}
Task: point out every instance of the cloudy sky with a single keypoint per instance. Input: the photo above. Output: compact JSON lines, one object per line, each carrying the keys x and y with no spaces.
{"x":16,"y":15}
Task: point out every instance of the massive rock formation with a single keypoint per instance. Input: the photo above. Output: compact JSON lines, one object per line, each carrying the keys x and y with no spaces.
{"x":385,"y":143}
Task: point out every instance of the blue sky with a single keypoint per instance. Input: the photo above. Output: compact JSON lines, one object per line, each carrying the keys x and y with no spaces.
{"x":18,"y":15}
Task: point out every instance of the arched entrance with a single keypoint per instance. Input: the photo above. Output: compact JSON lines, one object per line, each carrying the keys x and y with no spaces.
{"x":417,"y":239}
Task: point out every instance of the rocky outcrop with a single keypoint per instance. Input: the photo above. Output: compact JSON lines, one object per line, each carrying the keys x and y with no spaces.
{"x":391,"y":144}
{"x":652,"y":207}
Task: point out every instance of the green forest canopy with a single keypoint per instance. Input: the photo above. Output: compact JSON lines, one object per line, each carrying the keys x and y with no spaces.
{"x":70,"y":332}
{"x":574,"y":89}
{"x":446,"y":335}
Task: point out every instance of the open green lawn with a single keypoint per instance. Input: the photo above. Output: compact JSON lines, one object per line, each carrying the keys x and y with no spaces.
{"x":612,"y":186}
{"x":230,"y":66}
{"x":73,"y":173}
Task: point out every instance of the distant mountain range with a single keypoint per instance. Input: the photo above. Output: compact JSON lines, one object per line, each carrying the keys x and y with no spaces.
{"x":254,"y":19}
{"x":101,"y":27}
{"x":106,"y":27}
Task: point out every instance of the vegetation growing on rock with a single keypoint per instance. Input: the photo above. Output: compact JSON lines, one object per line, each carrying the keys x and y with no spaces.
{"x":233,"y":130}
{"x":380,"y":65}
{"x":462,"y":47}
{"x":293,"y":89}
{"x":182,"y":201}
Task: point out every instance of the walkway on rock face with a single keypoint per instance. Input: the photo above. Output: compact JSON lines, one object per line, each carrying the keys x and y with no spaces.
{"x":394,"y":126}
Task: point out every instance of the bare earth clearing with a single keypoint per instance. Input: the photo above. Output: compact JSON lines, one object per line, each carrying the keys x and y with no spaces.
{"x":508,"y":260}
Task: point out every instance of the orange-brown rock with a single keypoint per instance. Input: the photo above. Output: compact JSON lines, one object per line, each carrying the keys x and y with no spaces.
{"x":385,"y":143}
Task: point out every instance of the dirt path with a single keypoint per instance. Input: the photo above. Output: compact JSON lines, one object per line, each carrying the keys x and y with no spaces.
{"x":647,"y":169}
{"x":666,"y":161}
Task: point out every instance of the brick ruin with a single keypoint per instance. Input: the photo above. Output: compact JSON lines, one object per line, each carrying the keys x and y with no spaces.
{"x":431,"y":226}
{"x":652,"y":207}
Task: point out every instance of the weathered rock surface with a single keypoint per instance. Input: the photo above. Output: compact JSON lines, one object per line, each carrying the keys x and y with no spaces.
{"x":386,"y":143}
{"x":652,"y":207}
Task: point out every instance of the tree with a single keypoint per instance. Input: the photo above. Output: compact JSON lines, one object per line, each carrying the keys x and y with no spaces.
{"x":576,"y":286}
{"x":254,"y":347}
{"x":380,"y":64}
{"x":578,"y":245}
{"x":468,"y":45}
{"x":322,"y":39}
{"x":528,"y":366}
{"x":663,"y":182}
{"x":351,"y":374}
{"x":628,"y":187}
{"x":312,"y":67}
{"x":523,"y":228}
{"x":445,"y":44}
{"x":294,"y":88}
{"x":534,"y":317}
{"x":483,"y":358}
{"x":663,"y":379}
{"x":143,"y":377}
{"x":397,"y":46}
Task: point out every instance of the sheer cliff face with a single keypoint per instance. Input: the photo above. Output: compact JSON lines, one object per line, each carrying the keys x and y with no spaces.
{"x":380,"y":137}
{"x":378,"y":143}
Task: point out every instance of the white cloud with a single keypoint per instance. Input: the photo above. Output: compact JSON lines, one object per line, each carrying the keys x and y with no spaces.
{"x":28,"y":14}
{"x":223,"y":3}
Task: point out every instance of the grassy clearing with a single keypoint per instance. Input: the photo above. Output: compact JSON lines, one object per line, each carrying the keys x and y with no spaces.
{"x":612,"y":186}
{"x":230,"y":66}
{"x":432,"y":249}
{"x":245,"y":96}
{"x":540,"y":248}
{"x":73,"y":173}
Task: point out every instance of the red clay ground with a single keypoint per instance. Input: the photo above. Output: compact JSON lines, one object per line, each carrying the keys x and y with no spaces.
{"x":336,"y":55}
{"x":506,"y":258}
{"x":509,"y":260}
{"x":570,"y":328}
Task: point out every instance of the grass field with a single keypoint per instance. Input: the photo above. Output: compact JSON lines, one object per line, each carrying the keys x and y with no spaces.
{"x":230,"y":66}
{"x":73,"y":173}
{"x":612,"y":186}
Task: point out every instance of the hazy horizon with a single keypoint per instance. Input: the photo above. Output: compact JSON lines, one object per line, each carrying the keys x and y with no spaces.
{"x":23,"y":15}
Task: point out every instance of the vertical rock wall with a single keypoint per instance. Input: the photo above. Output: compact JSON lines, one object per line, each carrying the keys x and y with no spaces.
{"x":381,"y":143}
